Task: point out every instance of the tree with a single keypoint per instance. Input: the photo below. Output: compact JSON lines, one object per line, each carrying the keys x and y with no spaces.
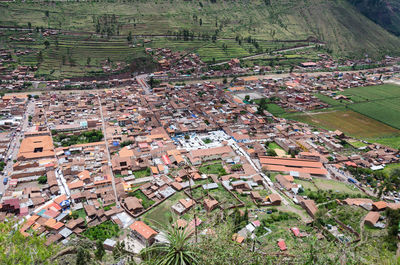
{"x":99,"y":250}
{"x":40,"y":57}
{"x":225,"y":81}
{"x":82,"y":256}
{"x":200,"y":22}
{"x":29,"y":25}
{"x":175,"y":251}
{"x":129,"y":38}
{"x":42,"y":179}
{"x":247,"y":98}
{"x":46,"y":43}
{"x":88,"y":61}
{"x":18,"y":249}
{"x":271,"y":152}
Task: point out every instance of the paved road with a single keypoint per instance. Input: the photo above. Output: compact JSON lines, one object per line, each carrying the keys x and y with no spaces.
{"x":141,"y":79}
{"x":108,"y":153}
{"x":15,"y":143}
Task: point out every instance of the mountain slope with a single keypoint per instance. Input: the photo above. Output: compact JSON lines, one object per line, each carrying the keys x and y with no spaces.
{"x":336,"y":22}
{"x":383,"y":12}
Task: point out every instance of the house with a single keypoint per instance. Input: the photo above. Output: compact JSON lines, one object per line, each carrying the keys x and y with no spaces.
{"x":210,"y":204}
{"x":183,"y":206}
{"x":293,"y":164}
{"x":379,"y":206}
{"x":255,"y":196}
{"x":282,"y":244}
{"x":211,"y":153}
{"x":275,"y":199}
{"x":134,"y":205}
{"x":372,"y":218}
{"x":143,"y":232}
{"x":310,"y":207}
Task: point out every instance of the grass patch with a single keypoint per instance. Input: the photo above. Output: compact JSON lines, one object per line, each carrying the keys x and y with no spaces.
{"x":79,"y":213}
{"x":142,"y":173}
{"x":212,"y":169}
{"x":306,"y":184}
{"x":337,"y":186}
{"x":161,"y":214}
{"x":108,"y":207}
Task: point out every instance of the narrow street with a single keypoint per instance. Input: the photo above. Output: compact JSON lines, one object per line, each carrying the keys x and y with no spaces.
{"x":108,"y":153}
{"x":15,"y":144}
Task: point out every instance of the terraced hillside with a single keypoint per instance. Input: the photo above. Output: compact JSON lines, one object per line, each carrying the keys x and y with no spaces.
{"x":337,"y":23}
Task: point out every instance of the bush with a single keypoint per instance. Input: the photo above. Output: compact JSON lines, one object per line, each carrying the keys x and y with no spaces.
{"x":237,"y":167}
{"x":42,"y":179}
{"x":102,"y":231}
{"x":271,"y":152}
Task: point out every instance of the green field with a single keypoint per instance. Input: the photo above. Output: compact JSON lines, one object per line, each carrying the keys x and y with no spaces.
{"x":378,"y":102}
{"x":349,"y":122}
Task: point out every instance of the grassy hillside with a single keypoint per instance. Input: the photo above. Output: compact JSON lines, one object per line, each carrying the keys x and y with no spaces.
{"x":337,"y":23}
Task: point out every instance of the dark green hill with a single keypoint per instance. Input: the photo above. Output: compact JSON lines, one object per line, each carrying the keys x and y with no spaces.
{"x":383,"y":12}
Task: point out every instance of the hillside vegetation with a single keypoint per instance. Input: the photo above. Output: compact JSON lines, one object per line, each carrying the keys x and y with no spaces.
{"x":338,"y":23}
{"x":383,"y":12}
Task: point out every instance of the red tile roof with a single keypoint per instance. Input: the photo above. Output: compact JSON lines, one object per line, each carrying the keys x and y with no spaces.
{"x":142,"y":229}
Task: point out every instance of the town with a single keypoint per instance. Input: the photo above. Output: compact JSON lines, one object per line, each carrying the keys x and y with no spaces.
{"x":136,"y":156}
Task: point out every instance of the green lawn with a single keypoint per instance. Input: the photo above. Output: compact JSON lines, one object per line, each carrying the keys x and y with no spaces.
{"x":357,"y":144}
{"x":211,"y":168}
{"x":142,"y":173}
{"x":274,"y":145}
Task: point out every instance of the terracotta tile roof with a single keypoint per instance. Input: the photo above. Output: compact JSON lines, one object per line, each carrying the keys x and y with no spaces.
{"x":381,"y":205}
{"x":372,"y":218}
{"x":142,"y":229}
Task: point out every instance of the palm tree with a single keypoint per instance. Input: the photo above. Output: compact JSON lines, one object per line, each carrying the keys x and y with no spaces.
{"x":175,"y":251}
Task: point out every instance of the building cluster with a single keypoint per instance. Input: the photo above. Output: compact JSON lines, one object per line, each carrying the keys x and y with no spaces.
{"x":117,"y":154}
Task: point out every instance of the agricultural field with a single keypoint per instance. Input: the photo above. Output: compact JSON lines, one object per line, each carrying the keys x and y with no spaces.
{"x":349,"y":122}
{"x":378,"y":102}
